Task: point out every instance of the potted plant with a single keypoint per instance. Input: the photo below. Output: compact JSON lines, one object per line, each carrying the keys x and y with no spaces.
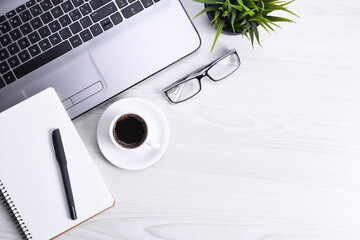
{"x":244,"y":16}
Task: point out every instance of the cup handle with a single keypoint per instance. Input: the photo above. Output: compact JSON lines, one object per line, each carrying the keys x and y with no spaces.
{"x":153,"y":144}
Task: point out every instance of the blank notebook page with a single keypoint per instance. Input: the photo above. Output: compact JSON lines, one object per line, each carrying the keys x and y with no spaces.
{"x":31,"y":174}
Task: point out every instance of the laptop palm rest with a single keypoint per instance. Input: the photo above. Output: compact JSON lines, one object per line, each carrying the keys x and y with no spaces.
{"x":123,"y":63}
{"x":77,"y":83}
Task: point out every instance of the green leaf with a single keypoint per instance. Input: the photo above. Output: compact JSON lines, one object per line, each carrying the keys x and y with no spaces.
{"x":211,"y":8}
{"x":246,"y":35}
{"x":233,"y":17}
{"x":215,"y":23}
{"x":225,"y":14}
{"x":217,"y":14}
{"x":262,"y":6}
{"x":278,"y":19}
{"x":241,"y":3}
{"x":251,"y":33}
{"x":218,"y":31}
{"x":254,"y":27}
{"x":239,"y":8}
{"x":273,"y":7}
{"x":287,"y":3}
{"x":250,"y":4}
{"x":242,"y":15}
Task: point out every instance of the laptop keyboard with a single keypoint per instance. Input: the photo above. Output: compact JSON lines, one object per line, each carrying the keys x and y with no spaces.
{"x":40,"y":31}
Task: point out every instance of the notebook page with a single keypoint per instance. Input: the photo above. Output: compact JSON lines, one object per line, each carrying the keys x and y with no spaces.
{"x":31,"y":174}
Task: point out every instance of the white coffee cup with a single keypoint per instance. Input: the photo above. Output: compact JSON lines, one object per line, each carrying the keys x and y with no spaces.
{"x":130,"y":131}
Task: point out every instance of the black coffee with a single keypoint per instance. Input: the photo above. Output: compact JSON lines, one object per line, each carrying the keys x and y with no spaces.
{"x":130,"y":130}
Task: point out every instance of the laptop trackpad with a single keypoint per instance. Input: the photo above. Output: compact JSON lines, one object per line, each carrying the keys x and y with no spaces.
{"x":73,"y":84}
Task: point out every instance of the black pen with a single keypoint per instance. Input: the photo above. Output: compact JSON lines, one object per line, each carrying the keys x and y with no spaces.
{"x":61,"y":158}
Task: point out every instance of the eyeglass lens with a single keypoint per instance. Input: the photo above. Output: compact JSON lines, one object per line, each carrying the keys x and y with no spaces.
{"x":224,"y":67}
{"x":184,"y":90}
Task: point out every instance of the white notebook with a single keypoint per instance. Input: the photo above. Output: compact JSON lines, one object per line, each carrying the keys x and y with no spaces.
{"x":30,"y":177}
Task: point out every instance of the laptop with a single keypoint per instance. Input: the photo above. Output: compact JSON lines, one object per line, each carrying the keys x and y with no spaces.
{"x":88,"y":50}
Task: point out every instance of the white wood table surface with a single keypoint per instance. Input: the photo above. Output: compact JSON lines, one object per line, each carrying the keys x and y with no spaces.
{"x":271,"y":153}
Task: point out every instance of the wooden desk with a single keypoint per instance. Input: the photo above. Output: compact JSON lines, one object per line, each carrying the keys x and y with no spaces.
{"x":271,"y":153}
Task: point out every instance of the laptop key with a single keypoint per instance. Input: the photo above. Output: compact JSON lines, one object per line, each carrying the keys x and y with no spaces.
{"x":67,"y":6}
{"x":132,"y":9}
{"x":23,"y":43}
{"x":34,"y":50}
{"x":103,"y":12}
{"x":106,"y":24}
{"x":46,"y":17}
{"x":85,"y":9}
{"x":85,"y":35}
{"x":75,"y":27}
{"x":44,"y":44}
{"x":75,"y":15}
{"x":11,"y":14}
{"x":116,"y":18}
{"x":56,"y":2}
{"x":65,"y":33}
{"x":13,"y":49}
{"x":26,"y":29}
{"x":15,"y":34}
{"x":24,"y":56}
{"x":36,"y":23}
{"x":20,"y":8}
{"x":75,"y":41}
{"x":77,"y":2}
{"x":96,"y":29}
{"x":64,"y":20}
{"x":3,"y":54}
{"x":13,"y":61}
{"x":55,"y":39}
{"x":15,"y":21}
{"x":34,"y":37}
{"x":5,"y":27}
{"x":54,"y":26}
{"x":147,"y":3}
{"x":121,"y":3}
{"x":44,"y":31}
{"x":30,"y":3}
{"x":5,"y":40}
{"x":9,"y":78}
{"x":86,"y":22}
{"x":95,"y":4}
{"x":36,"y":10}
{"x":57,"y":12}
{"x":2,"y":18}
{"x":42,"y":59}
{"x":25,"y":16}
{"x":46,"y":5}
{"x":4,"y":67}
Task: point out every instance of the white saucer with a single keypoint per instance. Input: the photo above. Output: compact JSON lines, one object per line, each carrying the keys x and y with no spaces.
{"x":144,"y":155}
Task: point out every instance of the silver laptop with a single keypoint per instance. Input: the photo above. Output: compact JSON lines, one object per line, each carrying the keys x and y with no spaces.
{"x":88,"y":50}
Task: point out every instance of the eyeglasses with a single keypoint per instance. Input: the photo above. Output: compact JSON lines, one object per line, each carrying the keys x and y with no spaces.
{"x":190,"y":85}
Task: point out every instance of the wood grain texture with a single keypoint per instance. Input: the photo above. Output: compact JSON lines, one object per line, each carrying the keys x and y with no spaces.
{"x":272,"y":153}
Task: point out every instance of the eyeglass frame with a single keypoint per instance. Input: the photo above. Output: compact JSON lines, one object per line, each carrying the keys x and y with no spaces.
{"x":200,"y":74}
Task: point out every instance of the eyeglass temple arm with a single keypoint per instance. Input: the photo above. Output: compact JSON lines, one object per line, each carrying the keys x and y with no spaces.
{"x":197,"y":73}
{"x":194,"y":74}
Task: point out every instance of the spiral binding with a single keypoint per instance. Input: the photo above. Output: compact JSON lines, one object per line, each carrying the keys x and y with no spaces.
{"x":15,"y":215}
